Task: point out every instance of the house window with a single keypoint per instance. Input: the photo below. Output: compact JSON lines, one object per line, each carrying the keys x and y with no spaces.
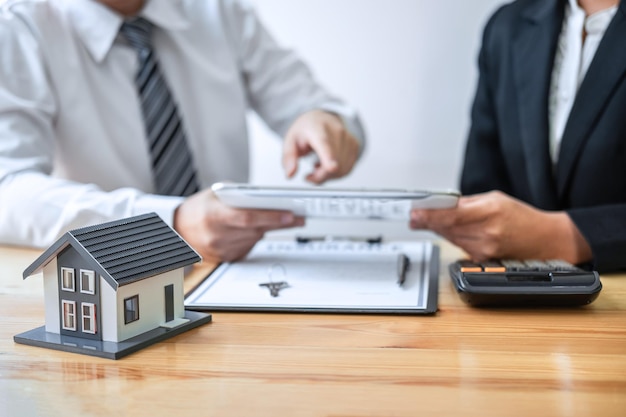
{"x":67,"y":279}
{"x":89,"y":317}
{"x":131,"y":309}
{"x":87,"y":282}
{"x":69,"y":315}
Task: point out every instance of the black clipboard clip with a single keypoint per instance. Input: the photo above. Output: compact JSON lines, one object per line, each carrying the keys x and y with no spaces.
{"x":372,"y":240}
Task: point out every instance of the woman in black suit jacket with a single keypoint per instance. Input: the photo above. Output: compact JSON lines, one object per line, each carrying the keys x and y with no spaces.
{"x":520,"y":204}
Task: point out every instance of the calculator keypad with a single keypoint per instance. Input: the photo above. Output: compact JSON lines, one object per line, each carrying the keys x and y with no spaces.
{"x":515,"y":265}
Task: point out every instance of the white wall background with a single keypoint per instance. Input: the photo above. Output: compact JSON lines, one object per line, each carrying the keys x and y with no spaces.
{"x":408,"y":66}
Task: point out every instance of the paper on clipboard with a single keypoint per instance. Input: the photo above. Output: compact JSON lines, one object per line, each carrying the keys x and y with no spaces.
{"x":324,"y":276}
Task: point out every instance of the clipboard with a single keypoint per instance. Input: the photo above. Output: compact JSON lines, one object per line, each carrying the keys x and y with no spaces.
{"x":328,"y":202}
{"x":325,"y":276}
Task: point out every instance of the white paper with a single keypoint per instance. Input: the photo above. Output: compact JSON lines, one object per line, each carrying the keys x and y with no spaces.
{"x":320,"y":274}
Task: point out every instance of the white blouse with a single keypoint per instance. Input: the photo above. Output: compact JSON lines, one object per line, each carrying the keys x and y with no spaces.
{"x":573,"y":57}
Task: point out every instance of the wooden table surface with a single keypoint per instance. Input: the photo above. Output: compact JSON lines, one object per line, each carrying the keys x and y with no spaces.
{"x":461,"y":361}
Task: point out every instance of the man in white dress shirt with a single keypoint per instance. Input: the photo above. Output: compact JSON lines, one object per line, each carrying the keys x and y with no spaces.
{"x":73,"y":148}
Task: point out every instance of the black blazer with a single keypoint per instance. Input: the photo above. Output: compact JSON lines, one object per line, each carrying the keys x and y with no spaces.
{"x":507,"y":148}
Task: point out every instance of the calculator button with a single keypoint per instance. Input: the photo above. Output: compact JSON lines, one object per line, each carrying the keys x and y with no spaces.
{"x":513,"y":265}
{"x":493,"y":266}
{"x":469,"y":266}
{"x":561,"y":265}
{"x":537,"y":265}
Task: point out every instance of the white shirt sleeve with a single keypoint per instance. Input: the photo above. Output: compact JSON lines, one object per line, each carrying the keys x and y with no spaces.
{"x":280,"y":85}
{"x":36,"y":207}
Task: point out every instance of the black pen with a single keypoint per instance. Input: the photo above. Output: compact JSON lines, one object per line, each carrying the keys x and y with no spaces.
{"x":403,"y":265}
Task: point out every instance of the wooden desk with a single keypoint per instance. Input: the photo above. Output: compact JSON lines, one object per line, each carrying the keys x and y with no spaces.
{"x":462,"y":361}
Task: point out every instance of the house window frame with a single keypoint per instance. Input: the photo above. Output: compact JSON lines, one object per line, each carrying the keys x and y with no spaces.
{"x":91,"y":279}
{"x":67,"y":316}
{"x":72,"y":272}
{"x":91,"y":317}
{"x":135,"y":312}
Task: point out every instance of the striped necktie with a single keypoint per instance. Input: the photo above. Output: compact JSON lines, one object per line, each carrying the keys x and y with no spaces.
{"x":172,"y":163}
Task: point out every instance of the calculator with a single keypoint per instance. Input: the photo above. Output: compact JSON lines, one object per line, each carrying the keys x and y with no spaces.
{"x":515,"y":283}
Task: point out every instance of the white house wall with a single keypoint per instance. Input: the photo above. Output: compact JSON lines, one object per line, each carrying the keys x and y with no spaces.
{"x":151,"y":303}
{"x":108,"y":317}
{"x":51,"y":297}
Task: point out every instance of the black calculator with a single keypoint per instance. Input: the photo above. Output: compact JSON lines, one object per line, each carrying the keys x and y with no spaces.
{"x":517,"y":283}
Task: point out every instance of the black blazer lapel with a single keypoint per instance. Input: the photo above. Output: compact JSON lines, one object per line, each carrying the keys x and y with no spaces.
{"x":606,"y":70}
{"x":533,"y":55}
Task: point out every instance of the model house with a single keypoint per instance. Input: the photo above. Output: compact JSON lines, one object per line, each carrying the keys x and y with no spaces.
{"x":115,"y":282}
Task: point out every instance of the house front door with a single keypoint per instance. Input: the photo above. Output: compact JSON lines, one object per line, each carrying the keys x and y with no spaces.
{"x":169,"y":302}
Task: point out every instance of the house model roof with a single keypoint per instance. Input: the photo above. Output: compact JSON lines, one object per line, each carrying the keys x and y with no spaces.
{"x":126,"y":250}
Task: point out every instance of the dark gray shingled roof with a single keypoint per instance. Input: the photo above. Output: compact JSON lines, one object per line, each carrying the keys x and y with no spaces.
{"x":126,"y":250}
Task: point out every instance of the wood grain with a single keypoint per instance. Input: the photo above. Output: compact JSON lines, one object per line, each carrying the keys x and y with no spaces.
{"x":462,"y":361}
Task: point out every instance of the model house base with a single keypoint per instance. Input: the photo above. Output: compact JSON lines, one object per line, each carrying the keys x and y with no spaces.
{"x":110,"y":350}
